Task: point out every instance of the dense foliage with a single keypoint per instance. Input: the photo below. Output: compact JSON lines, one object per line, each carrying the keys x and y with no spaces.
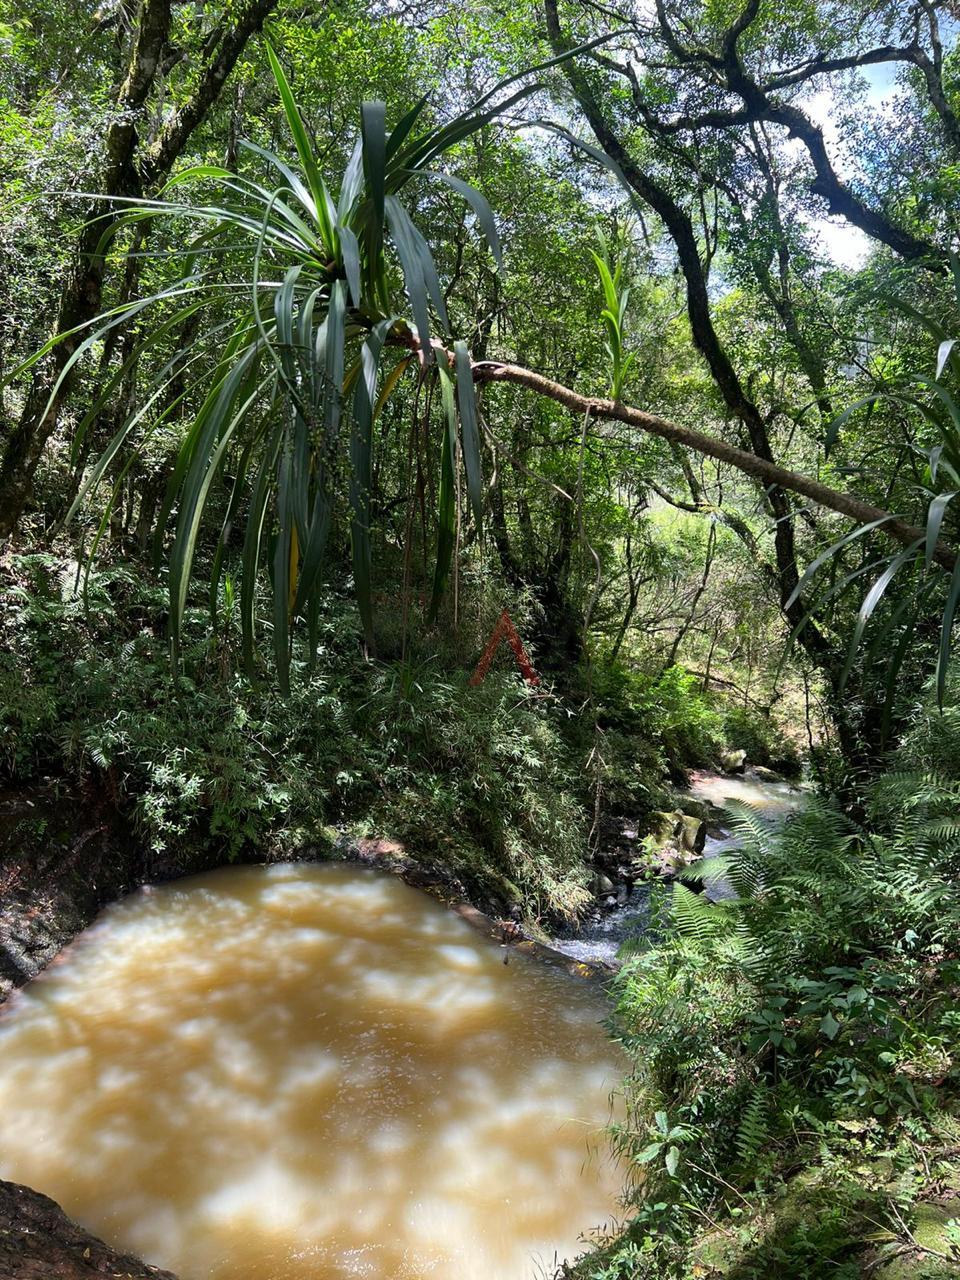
{"x":330,"y":332}
{"x":807,"y":1027}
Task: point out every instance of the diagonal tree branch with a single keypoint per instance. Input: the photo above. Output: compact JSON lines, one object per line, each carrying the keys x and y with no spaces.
{"x":680,"y":227}
{"x":761,"y":469}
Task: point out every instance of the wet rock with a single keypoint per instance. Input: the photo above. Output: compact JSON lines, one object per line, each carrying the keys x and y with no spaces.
{"x":693,"y":833}
{"x":733,"y":761}
{"x":677,"y":839}
{"x":763,"y":774}
{"x":695,"y":808}
{"x":373,"y":850}
{"x":664,"y":827}
{"x":789,"y":765}
{"x":602,"y":885}
{"x":39,"y":1242}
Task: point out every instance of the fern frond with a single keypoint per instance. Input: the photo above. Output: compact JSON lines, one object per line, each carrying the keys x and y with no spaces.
{"x":694,"y":916}
{"x":754,"y":1128}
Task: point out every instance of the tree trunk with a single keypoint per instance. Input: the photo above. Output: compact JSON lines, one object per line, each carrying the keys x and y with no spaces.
{"x":126,"y":173}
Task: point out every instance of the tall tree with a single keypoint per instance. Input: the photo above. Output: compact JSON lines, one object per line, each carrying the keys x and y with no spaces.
{"x":131,"y":166}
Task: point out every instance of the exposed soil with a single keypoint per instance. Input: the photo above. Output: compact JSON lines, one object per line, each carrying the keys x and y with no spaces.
{"x":39,"y":1242}
{"x":64,"y":854}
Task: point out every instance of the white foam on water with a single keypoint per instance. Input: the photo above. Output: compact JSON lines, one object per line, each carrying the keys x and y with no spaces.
{"x":297,"y":1072}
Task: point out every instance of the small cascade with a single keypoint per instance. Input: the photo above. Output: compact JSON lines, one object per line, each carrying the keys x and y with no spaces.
{"x":599,"y":939}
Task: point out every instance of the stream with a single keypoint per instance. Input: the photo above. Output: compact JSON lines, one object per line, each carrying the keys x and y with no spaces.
{"x":598,"y":941}
{"x":301,"y":1071}
{"x":304,"y":1072}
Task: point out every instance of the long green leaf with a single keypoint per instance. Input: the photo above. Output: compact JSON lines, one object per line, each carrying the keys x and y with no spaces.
{"x":935,"y":514}
{"x":872,"y":599}
{"x":480,"y":206}
{"x":830,"y":552}
{"x":401,"y":130}
{"x":373,"y":124}
{"x":446,"y":499}
{"x":470,"y":431}
{"x":304,"y":147}
{"x":946,"y":631}
{"x":361,"y":475}
{"x":210,"y":450}
{"x":350,"y":249}
{"x":402,"y":230}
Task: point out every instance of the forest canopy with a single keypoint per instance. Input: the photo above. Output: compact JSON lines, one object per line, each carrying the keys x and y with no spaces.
{"x":772,"y":191}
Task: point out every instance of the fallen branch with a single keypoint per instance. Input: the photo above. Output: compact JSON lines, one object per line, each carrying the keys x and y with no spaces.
{"x":769,"y":473}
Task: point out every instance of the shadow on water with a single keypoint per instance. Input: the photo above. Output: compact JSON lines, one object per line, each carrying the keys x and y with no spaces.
{"x":314,"y":1072}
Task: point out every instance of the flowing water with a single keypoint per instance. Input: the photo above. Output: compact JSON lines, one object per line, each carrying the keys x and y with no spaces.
{"x":775,"y":800}
{"x":599,"y":941}
{"x":301,"y":1071}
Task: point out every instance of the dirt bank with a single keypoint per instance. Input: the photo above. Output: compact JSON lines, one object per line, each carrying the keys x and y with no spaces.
{"x":39,"y":1242}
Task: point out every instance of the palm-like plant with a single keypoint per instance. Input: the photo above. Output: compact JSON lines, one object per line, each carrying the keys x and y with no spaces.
{"x":305,"y":331}
{"x":609,"y":263}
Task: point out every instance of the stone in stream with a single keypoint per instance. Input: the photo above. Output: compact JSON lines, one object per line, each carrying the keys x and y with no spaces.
{"x":603,"y":885}
{"x":693,"y":833}
{"x":39,"y":1242}
{"x":733,"y":761}
{"x":693,"y":807}
{"x":677,"y":839}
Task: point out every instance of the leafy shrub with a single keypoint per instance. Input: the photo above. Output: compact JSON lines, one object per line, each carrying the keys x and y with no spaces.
{"x":747,"y":729}
{"x":808,"y":1024}
{"x":670,"y":709}
{"x":208,"y":763}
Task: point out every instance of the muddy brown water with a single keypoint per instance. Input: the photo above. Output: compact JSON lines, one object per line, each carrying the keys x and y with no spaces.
{"x":301,"y":1071}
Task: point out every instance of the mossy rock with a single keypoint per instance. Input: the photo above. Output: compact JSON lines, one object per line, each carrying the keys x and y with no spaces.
{"x":733,"y":761}
{"x":693,"y":833}
{"x":931,"y":1223}
{"x":676,"y":840}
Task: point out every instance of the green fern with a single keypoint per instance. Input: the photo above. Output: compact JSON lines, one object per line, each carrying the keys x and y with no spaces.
{"x":754,"y":1129}
{"x":694,"y":916}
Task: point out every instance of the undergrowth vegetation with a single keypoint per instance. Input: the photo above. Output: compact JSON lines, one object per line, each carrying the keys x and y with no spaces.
{"x":794,"y":1105}
{"x":208,"y":761}
{"x":498,"y":782}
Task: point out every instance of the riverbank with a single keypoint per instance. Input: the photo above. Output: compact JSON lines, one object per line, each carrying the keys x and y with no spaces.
{"x":699,"y":829}
{"x":794,"y":1102}
{"x":302,"y":1069}
{"x":63,"y":858}
{"x":39,"y":1242}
